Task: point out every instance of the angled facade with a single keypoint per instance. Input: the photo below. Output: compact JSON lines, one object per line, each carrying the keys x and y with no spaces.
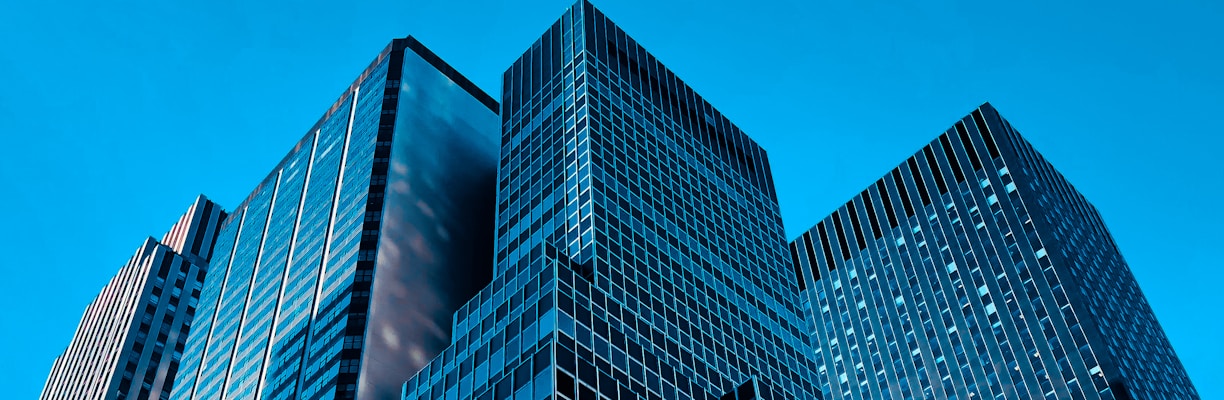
{"x":975,"y":270}
{"x":339,"y":274}
{"x":129,"y":341}
{"x":639,"y":252}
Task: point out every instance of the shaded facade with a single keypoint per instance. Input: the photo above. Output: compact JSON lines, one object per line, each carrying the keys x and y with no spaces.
{"x":975,"y":270}
{"x":339,"y":274}
{"x":128,"y":343}
{"x":639,"y":251}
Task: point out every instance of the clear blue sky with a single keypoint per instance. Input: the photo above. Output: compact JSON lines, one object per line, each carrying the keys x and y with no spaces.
{"x":114,"y":115}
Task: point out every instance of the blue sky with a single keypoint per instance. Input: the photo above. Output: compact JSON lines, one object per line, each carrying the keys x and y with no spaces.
{"x":114,"y":115}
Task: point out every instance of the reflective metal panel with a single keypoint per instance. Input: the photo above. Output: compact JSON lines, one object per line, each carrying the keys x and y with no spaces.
{"x":436,"y":243}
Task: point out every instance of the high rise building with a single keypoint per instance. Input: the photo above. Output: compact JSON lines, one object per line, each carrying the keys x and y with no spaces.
{"x":639,"y":253}
{"x":128,"y":343}
{"x":339,"y":274}
{"x":975,"y":270}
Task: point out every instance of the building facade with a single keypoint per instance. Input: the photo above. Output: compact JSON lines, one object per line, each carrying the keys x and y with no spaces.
{"x":639,"y":252}
{"x":975,"y":270}
{"x":338,"y":275}
{"x":130,"y":339}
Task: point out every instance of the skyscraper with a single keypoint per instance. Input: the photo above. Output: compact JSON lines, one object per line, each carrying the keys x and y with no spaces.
{"x":339,"y":274}
{"x":639,"y":252}
{"x":975,"y":270}
{"x":129,"y":341}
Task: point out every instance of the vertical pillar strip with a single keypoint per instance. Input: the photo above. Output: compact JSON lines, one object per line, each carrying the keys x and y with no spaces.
{"x":263,"y":369}
{"x":220,"y":294}
{"x":319,"y":280}
{"x":246,"y":304}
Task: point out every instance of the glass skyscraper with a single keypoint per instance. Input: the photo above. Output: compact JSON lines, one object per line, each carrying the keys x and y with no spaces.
{"x":338,"y":275}
{"x":639,"y":253}
{"x":603,"y":232}
{"x":975,"y":270}
{"x":129,"y":341}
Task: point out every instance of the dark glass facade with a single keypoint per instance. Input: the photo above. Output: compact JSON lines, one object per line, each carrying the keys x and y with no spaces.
{"x":130,"y":339}
{"x":639,"y":251}
{"x":339,"y":274}
{"x":975,"y":270}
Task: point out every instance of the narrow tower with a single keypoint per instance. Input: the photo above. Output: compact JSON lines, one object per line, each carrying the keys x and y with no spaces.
{"x":128,"y":343}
